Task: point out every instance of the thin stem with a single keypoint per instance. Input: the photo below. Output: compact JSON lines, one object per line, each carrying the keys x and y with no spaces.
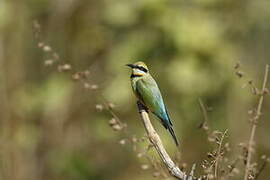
{"x":204,"y":111}
{"x":218,"y":154}
{"x":254,"y":123}
{"x":261,"y":169}
{"x":205,"y":115}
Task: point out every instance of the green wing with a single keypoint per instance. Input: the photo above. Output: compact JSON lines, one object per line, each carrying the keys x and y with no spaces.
{"x":148,"y":92}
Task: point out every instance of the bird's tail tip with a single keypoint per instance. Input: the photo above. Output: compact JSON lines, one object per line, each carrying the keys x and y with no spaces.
{"x":173,"y":135}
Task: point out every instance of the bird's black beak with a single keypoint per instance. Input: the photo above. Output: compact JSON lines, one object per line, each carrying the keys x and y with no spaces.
{"x":130,"y":65}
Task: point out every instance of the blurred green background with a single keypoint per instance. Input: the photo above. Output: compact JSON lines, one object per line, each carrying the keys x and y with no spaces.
{"x":49,"y":125}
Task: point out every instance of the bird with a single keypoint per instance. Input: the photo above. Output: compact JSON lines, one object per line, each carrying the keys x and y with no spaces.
{"x":147,"y":92}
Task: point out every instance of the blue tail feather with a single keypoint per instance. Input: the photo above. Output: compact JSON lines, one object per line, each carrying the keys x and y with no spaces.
{"x":166,"y":122}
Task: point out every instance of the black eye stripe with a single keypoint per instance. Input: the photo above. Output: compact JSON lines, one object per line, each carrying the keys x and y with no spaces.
{"x":142,"y":69}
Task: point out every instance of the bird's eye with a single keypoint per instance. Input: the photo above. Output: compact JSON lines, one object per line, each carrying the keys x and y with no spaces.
{"x":142,"y":69}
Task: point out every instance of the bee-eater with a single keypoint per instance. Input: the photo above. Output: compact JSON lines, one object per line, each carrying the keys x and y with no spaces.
{"x":147,"y":92}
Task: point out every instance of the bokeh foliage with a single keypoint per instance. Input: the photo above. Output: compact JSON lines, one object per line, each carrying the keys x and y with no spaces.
{"x":49,"y":126}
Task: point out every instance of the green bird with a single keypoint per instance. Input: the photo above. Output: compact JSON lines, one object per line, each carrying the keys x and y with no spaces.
{"x":147,"y":92}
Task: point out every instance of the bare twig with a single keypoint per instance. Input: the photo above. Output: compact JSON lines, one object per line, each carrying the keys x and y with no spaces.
{"x":192,"y":170}
{"x":254,"y":123}
{"x":265,"y":161}
{"x":231,"y":167}
{"x":205,"y":115}
{"x":157,"y":143}
{"x":219,"y":154}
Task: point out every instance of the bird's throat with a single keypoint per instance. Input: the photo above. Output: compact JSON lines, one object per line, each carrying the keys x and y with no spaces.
{"x":133,"y":75}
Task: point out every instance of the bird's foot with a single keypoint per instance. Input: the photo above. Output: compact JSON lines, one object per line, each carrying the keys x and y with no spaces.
{"x":141,"y":107}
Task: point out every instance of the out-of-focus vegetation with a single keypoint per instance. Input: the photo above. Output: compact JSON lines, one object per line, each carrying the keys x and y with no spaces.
{"x":53,"y":128}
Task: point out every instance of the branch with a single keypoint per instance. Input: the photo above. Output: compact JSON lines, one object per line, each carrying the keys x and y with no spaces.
{"x":157,"y":143}
{"x":254,"y":122}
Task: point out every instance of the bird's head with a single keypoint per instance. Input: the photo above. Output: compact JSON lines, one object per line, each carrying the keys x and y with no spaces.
{"x":138,"y":69}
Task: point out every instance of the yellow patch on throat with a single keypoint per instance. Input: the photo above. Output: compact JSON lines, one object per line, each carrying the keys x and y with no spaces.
{"x":137,"y":74}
